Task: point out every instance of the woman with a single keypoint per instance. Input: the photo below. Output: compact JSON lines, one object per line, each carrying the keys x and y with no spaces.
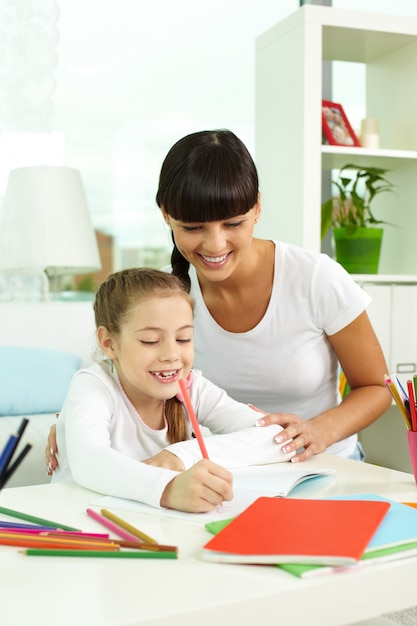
{"x":272,"y":321}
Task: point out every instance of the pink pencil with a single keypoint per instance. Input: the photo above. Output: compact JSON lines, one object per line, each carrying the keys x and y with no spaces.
{"x":110,"y":525}
{"x":193,"y":418}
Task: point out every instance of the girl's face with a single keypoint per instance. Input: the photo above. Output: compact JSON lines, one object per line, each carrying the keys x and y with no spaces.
{"x":154,"y":348}
{"x":215,"y":248}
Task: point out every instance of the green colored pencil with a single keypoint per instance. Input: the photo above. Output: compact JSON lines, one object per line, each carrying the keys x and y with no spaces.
{"x":35,"y":520}
{"x":136,"y":554}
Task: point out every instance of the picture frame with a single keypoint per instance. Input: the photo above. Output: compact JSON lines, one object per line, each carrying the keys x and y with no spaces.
{"x":337,"y":130}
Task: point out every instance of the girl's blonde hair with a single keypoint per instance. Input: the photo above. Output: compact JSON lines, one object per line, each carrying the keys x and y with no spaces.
{"x":118,"y":295}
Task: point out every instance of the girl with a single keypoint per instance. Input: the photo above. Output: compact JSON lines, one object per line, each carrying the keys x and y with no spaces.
{"x":123,"y":430}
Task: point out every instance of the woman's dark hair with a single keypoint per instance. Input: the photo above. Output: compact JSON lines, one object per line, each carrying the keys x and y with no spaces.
{"x":116,"y":297}
{"x":206,"y":176}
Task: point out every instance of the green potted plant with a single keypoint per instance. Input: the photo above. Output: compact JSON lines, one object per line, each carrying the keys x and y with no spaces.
{"x":356,"y":233}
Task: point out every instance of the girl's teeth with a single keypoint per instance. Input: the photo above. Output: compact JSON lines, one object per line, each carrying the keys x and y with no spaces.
{"x":165,"y":374}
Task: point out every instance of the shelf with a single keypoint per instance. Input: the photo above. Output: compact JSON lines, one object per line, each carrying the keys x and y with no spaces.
{"x":386,"y":279}
{"x":290,"y":157}
{"x":335,"y":157}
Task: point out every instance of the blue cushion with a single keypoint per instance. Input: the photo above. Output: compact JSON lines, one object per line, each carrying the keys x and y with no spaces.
{"x":34,"y":380}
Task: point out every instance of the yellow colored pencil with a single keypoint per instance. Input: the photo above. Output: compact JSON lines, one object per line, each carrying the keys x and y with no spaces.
{"x":128,"y":527}
{"x":394,"y":392}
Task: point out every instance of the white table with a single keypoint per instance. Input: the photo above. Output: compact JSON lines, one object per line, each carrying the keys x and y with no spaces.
{"x":189,"y":591}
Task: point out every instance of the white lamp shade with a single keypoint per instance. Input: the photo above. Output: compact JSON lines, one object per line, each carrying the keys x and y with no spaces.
{"x":45,"y":223}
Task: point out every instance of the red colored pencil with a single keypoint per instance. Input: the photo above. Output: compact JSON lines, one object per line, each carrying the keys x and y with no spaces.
{"x":193,"y":418}
{"x":412,"y":403}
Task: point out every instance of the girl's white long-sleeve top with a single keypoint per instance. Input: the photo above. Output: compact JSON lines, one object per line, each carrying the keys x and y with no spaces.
{"x":102,"y":439}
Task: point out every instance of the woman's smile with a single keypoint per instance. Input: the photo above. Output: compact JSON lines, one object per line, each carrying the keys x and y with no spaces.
{"x":215,"y":261}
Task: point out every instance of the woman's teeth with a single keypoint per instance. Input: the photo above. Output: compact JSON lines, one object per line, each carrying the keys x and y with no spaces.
{"x":214,"y":259}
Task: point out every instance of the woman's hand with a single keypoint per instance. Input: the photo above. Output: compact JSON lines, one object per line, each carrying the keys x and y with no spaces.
{"x":305,"y":434}
{"x":166,"y":459}
{"x":200,"y":489}
{"x":51,"y":451}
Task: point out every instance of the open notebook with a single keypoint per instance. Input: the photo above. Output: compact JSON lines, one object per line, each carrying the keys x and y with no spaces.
{"x":249,"y":483}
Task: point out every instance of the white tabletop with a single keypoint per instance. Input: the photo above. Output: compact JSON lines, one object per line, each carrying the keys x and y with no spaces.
{"x":189,"y":591}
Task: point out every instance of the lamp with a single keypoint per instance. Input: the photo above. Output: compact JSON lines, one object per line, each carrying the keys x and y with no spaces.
{"x":45,"y":227}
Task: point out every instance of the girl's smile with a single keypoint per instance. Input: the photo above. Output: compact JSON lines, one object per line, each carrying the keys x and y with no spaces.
{"x":167,"y":376}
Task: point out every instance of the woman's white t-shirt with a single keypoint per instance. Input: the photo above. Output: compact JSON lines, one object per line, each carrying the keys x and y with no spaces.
{"x":286,"y":363}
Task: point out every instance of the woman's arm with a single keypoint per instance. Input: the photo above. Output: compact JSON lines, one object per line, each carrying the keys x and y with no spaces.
{"x":361,"y":358}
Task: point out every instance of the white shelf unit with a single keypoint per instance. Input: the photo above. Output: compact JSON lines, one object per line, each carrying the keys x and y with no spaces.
{"x":288,"y":145}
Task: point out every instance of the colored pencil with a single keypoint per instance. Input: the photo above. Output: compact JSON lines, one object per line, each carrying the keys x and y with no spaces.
{"x":193,"y":418}
{"x":34,"y":519}
{"x":76,"y":534}
{"x":10,"y":448}
{"x":10,"y":470}
{"x":154,"y":547}
{"x":398,"y":400}
{"x":53,"y":542}
{"x":22,"y":531}
{"x":137,"y":545}
{"x":128,"y":527}
{"x":12,"y":525}
{"x":62,"y":534}
{"x":111,"y":526}
{"x":56,"y":537}
{"x":136,"y":554}
{"x":412,"y":403}
{"x":415,"y":385}
{"x":7,"y":453}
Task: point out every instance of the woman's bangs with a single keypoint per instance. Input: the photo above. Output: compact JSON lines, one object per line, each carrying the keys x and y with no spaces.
{"x":211,"y":200}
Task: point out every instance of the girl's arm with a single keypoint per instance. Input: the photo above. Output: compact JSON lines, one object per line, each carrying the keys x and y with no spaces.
{"x":88,"y":456}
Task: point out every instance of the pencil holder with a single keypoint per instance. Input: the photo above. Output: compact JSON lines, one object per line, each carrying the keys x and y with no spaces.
{"x":412,"y":450}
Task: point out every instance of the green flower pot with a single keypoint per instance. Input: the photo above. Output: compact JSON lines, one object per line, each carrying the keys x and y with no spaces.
{"x":358,"y":253}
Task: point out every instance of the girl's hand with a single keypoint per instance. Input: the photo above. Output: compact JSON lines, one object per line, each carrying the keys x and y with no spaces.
{"x":200,"y":489}
{"x":51,"y":451}
{"x":305,"y":434}
{"x":166,"y":459}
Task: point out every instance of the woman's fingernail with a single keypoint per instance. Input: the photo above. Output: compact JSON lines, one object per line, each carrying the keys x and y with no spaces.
{"x":279,"y":438}
{"x":260,"y":422}
{"x":52,"y":453}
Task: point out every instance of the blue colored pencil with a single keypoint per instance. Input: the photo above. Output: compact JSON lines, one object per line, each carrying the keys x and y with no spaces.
{"x":10,"y":470}
{"x":12,"y":525}
{"x":7,"y":453}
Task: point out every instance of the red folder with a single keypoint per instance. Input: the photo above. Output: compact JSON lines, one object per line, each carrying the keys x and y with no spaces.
{"x":290,"y":530}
